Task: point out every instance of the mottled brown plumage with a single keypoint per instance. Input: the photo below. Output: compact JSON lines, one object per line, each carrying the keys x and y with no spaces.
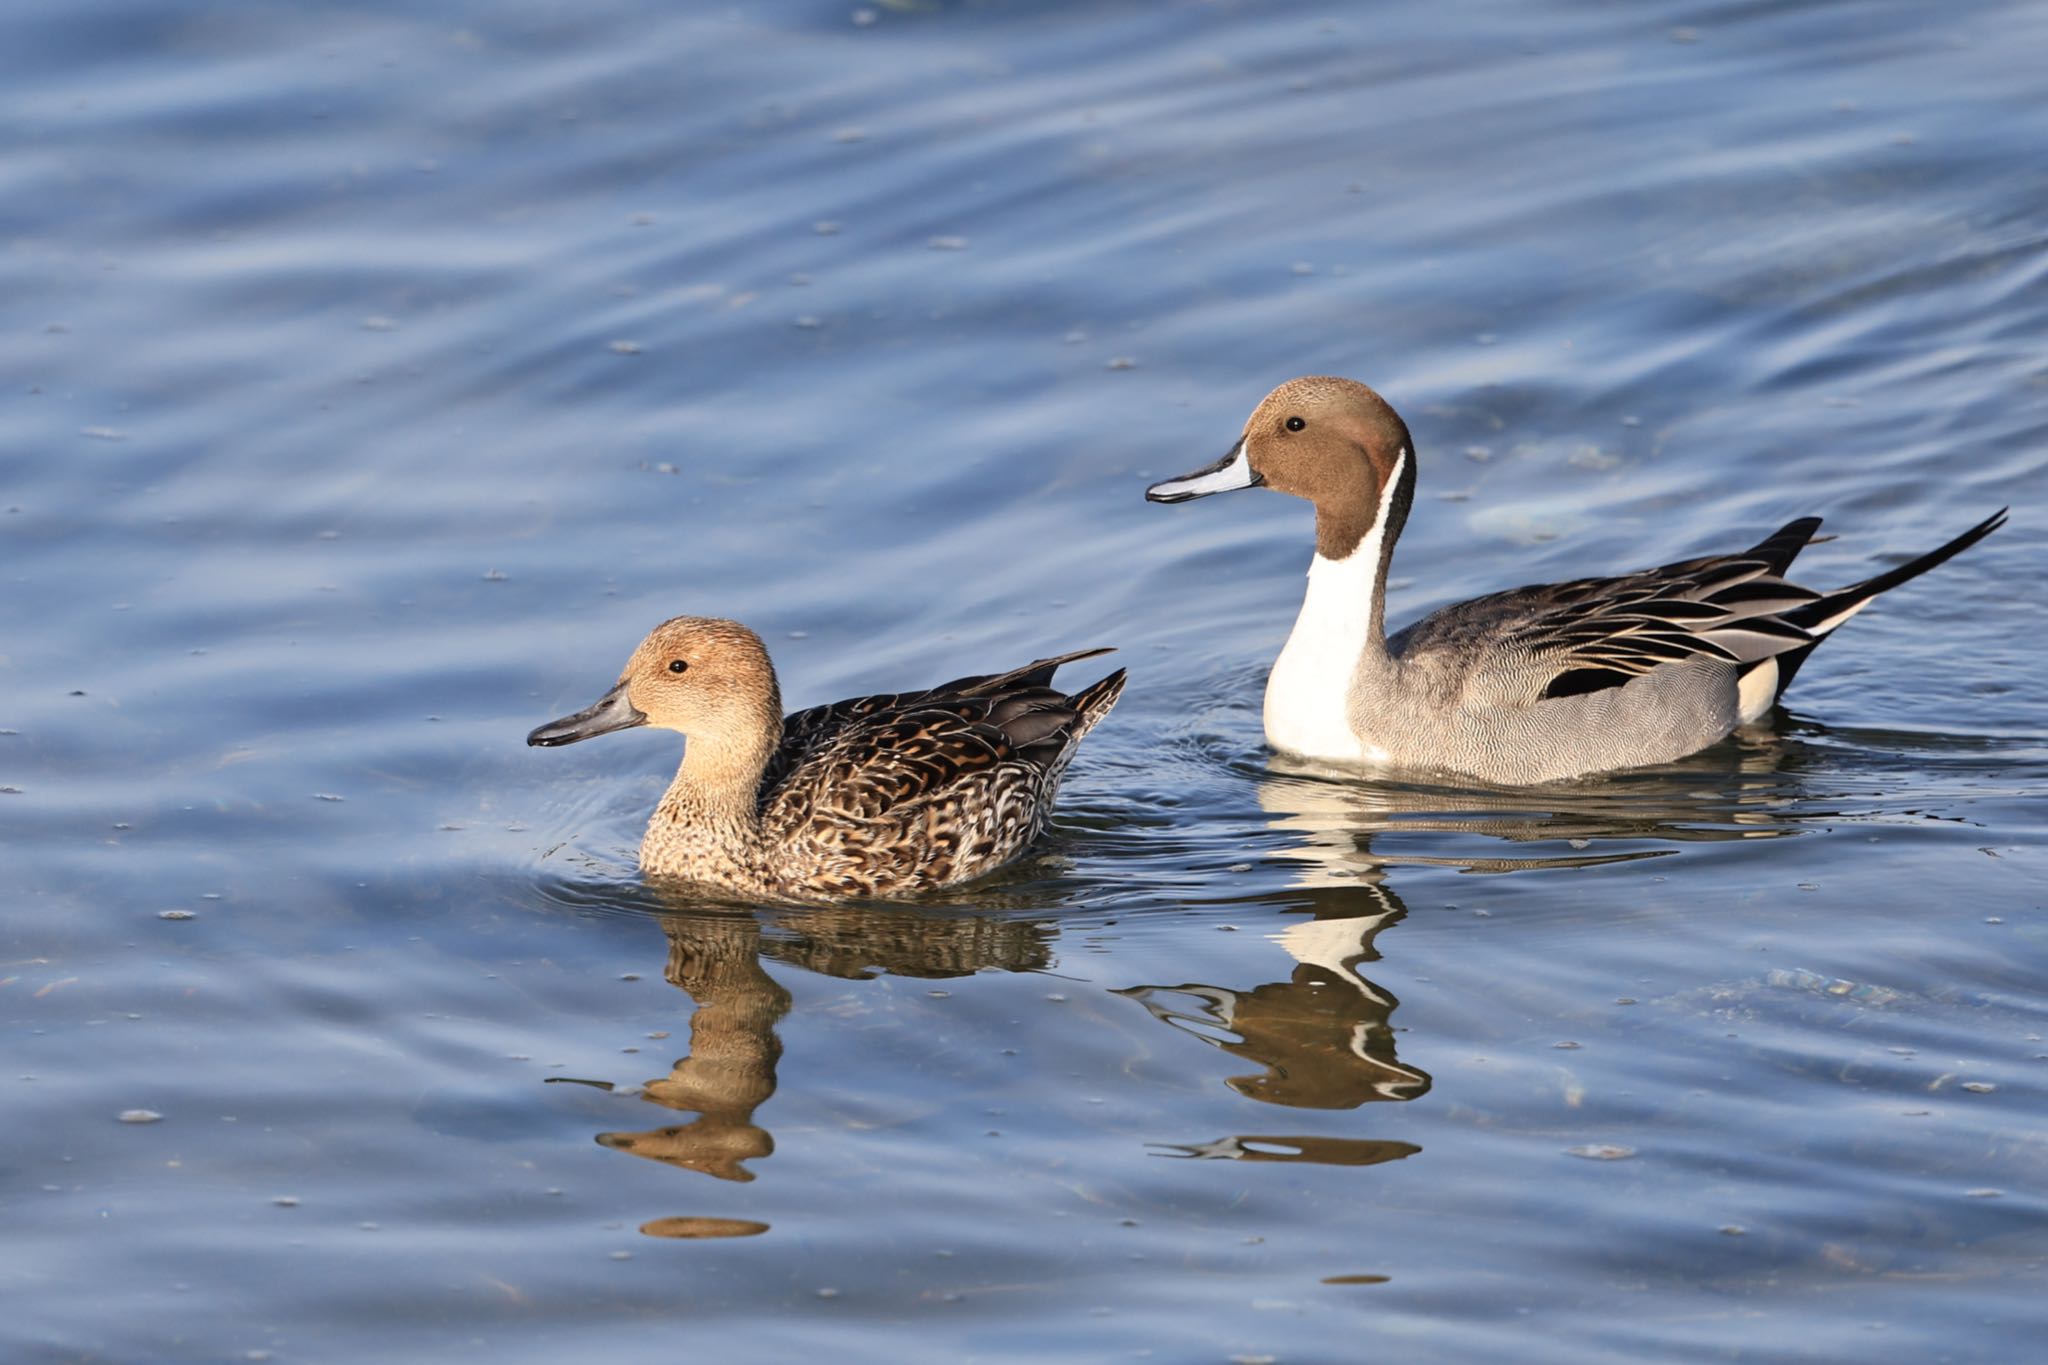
{"x":873,"y":796}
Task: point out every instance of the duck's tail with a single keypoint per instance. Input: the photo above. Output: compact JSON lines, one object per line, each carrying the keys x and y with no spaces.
{"x":1820,"y":617}
{"x":1044,"y":723}
{"x":1038,"y":673}
{"x":1092,"y":702}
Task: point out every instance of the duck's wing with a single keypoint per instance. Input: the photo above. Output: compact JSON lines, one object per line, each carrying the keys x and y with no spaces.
{"x":917,"y":795}
{"x":860,"y":760}
{"x":807,"y":734}
{"x":935,"y":787}
{"x":1552,"y":640}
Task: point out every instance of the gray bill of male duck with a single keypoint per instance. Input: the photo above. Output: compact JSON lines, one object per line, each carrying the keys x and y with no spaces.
{"x":1530,"y":685}
{"x":1228,"y":474}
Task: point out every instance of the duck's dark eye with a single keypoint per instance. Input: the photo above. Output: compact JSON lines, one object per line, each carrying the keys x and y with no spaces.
{"x":678,"y":665}
{"x":1295,"y":424}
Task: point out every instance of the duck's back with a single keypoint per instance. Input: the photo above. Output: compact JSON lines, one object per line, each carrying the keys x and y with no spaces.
{"x":1555,"y":679}
{"x":906,"y":791}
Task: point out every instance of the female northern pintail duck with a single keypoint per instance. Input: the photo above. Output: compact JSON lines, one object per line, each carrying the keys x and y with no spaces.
{"x":1529,"y":685}
{"x":874,"y":796}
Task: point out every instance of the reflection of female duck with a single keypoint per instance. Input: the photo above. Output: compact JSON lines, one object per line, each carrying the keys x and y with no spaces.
{"x":873,"y":941}
{"x":730,"y":1071}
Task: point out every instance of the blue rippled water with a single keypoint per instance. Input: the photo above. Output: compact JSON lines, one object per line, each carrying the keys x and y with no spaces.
{"x":378,"y":374}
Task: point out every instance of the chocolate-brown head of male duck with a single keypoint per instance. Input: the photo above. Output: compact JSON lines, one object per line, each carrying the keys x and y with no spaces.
{"x":871,"y":796}
{"x":1332,"y":441}
{"x":1529,"y":685}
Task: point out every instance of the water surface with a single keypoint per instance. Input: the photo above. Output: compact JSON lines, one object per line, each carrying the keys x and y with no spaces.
{"x":380,"y":373}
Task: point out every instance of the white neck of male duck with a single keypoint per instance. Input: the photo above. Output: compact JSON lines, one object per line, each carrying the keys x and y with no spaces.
{"x":1338,"y":645}
{"x":710,"y":816}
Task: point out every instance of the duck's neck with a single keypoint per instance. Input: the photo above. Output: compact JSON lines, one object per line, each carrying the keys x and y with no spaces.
{"x":712,"y":811}
{"x":1339,"y":640}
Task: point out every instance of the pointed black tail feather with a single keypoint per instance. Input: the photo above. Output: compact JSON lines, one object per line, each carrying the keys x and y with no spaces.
{"x":1815,"y":615}
{"x":1835,"y":607}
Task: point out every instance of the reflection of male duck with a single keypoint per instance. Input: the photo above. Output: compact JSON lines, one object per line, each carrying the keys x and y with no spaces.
{"x":1745,"y":789}
{"x":1322,"y":1036}
{"x":715,"y":958}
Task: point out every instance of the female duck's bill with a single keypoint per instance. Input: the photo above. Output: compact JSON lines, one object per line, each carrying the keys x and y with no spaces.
{"x":1530,"y":685}
{"x":873,"y":796}
{"x":612,"y":711}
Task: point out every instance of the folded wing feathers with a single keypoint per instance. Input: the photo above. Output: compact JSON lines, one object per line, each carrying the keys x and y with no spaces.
{"x":1768,"y":597}
{"x":1717,"y":576}
{"x":1728,"y":609}
{"x":861,"y":758}
{"x":1593,"y":634}
{"x":1758,"y":638}
{"x":1035,"y":726}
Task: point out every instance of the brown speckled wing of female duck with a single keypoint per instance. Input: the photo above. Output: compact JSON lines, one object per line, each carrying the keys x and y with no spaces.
{"x":893,"y":792}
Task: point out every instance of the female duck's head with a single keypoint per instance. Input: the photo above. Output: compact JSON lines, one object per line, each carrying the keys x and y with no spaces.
{"x":707,"y":678}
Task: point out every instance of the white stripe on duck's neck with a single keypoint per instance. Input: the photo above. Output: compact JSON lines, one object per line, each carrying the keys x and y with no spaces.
{"x":1308,"y":693}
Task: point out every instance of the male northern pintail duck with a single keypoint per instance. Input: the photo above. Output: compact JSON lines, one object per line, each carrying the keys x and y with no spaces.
{"x":1529,"y":685}
{"x":873,"y":796}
